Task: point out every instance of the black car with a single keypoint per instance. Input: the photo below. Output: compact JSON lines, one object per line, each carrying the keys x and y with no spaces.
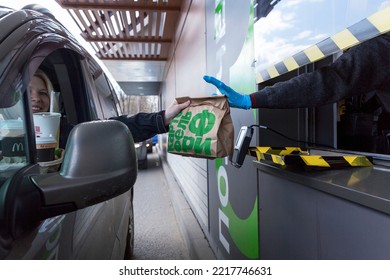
{"x":83,"y":210}
{"x":142,"y":154}
{"x":149,"y":145}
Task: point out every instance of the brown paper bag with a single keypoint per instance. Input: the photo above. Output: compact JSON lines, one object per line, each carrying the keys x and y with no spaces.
{"x":203,"y":129}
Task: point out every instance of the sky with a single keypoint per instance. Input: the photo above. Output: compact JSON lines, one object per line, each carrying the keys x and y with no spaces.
{"x":294,"y":25}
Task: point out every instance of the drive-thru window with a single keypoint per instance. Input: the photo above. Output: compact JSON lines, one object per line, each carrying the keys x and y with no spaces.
{"x":271,"y":210}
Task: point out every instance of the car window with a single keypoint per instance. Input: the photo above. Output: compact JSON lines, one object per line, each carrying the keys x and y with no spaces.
{"x":69,"y":75}
{"x":106,"y":96}
{"x":13,"y":139}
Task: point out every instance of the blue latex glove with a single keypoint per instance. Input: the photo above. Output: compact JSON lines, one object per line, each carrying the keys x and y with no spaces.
{"x":235,"y":99}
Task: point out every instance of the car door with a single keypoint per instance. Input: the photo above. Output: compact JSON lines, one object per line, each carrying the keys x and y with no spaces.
{"x":106,"y":98}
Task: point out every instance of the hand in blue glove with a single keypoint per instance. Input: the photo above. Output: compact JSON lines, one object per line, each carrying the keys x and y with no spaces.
{"x":235,"y":99}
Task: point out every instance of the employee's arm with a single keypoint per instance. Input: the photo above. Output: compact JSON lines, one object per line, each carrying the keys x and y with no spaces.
{"x":362,"y":69}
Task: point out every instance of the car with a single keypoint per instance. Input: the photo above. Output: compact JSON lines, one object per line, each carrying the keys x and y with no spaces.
{"x":149,"y":146}
{"x":142,"y":155}
{"x":84,"y":210}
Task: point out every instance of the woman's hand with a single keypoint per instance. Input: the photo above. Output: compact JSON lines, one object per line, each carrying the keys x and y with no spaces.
{"x":174,"y":109}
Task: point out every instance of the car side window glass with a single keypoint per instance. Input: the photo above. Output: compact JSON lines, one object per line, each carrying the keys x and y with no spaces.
{"x":13,"y":139}
{"x":106,"y":97}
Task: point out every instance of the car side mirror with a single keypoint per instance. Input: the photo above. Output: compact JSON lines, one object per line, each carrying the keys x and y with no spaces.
{"x":99,"y":163}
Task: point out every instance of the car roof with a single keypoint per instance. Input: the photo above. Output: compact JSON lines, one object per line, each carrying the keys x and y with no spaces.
{"x":11,"y":20}
{"x":20,"y":27}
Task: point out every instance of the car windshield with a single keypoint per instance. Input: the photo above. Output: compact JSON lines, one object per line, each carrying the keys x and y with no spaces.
{"x":13,"y":140}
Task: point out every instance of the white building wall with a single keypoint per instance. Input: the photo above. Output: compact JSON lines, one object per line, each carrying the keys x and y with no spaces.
{"x":184,"y":78}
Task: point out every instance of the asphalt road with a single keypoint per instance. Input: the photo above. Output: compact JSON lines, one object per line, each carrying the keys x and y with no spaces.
{"x":157,"y":234}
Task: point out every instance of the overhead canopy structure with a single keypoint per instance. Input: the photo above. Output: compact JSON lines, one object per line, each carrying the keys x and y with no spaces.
{"x":123,"y":32}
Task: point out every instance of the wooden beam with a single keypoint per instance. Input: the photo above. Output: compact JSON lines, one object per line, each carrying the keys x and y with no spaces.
{"x":126,"y":40}
{"x":119,"y":6}
{"x":147,"y":58}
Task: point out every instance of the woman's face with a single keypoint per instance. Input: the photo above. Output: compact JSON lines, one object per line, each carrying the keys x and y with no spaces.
{"x":40,"y":99}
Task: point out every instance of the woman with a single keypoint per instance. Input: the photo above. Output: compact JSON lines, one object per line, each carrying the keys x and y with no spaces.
{"x":40,"y":90}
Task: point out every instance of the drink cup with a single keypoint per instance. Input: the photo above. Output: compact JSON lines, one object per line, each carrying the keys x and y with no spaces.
{"x":45,"y":148}
{"x":47,"y":124}
{"x":12,"y":138}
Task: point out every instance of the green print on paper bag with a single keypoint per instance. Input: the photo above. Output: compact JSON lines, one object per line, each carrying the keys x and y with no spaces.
{"x":204,"y":129}
{"x":198,"y":126}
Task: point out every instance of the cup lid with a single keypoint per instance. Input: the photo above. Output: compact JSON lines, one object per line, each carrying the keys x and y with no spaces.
{"x":47,"y":114}
{"x":11,"y":124}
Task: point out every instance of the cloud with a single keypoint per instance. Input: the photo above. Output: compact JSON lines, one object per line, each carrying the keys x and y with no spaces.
{"x":302,"y":35}
{"x":294,"y":3}
{"x":276,"y":21}
{"x":384,"y":4}
{"x":319,"y":37}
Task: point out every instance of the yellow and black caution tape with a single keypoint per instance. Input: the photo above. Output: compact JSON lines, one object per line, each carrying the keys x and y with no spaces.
{"x":296,"y":156}
{"x":366,"y":29}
